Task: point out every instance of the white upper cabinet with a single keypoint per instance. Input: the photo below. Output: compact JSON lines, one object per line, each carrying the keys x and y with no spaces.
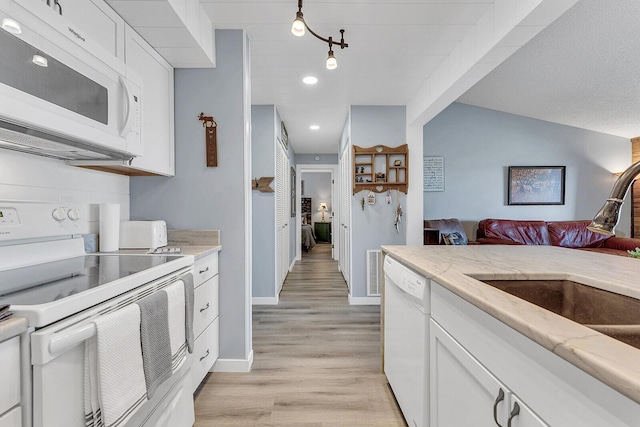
{"x":180,"y":30}
{"x":157,"y":107}
{"x":97,"y":20}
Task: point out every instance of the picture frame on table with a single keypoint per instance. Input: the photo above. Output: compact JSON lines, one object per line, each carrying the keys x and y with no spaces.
{"x":536,"y":185}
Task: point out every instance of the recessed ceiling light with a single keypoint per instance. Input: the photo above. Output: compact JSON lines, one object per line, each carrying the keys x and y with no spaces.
{"x":310,"y":80}
{"x":314,"y":127}
{"x":40,"y":60}
{"x":11,"y":26}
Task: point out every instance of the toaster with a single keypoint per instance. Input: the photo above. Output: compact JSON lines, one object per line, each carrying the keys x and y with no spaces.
{"x":143,"y":234}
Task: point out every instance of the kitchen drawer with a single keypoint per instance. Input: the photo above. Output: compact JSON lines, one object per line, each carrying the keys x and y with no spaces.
{"x":10,"y":374}
{"x":13,"y":418}
{"x":205,"y":353}
{"x":204,"y":269}
{"x":205,"y":305}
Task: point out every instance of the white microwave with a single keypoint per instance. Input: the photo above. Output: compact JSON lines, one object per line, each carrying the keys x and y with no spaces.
{"x":69,"y":99}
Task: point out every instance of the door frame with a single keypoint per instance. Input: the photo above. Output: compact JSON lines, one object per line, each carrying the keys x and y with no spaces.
{"x":313,"y":168}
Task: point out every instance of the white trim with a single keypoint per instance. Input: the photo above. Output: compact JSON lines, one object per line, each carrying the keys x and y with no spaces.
{"x":293,"y":263}
{"x":265,"y":300}
{"x":335,"y":208}
{"x":234,"y":365}
{"x":364,"y":300}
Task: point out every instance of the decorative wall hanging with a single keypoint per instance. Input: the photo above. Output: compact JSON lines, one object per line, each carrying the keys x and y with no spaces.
{"x":371,"y":198}
{"x":210,"y":139}
{"x":433,"y":173}
{"x":536,"y":185}
{"x":262,"y":184}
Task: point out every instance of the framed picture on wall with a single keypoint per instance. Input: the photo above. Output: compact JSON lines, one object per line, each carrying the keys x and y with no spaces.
{"x":293,"y":192}
{"x":536,"y":185}
{"x":285,"y":136}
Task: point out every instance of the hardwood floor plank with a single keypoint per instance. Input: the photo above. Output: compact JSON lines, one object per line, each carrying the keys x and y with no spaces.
{"x":316,"y":361}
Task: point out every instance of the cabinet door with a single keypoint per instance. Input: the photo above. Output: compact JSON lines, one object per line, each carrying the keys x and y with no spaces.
{"x":157,"y":106}
{"x":463,"y":392}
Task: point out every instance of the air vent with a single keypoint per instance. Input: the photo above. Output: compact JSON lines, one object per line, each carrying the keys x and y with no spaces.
{"x":374,"y":272}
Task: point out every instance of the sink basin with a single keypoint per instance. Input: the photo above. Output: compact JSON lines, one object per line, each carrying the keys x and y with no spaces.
{"x":615,"y":315}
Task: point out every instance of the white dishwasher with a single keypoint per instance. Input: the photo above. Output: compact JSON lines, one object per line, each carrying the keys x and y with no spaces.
{"x":406,"y":340}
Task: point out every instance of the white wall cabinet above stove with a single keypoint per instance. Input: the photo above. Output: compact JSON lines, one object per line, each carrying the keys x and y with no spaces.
{"x":179,"y":30}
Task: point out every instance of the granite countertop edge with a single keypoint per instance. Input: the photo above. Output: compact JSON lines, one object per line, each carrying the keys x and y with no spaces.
{"x":12,"y":327}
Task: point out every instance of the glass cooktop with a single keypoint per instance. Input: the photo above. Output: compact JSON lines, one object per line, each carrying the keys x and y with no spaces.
{"x":56,"y":280}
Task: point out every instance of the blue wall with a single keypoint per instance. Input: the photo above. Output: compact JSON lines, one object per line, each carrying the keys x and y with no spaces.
{"x":478,"y":146}
{"x":373,"y":226}
{"x":209,"y":198}
{"x":263,"y":119}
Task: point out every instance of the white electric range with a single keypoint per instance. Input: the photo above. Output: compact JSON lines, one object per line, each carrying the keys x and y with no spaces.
{"x":46,"y":277}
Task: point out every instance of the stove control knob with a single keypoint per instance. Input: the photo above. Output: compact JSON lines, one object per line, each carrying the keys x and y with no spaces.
{"x":73,"y":214}
{"x":59,"y":215}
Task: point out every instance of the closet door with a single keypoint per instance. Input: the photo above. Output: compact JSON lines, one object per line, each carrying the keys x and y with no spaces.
{"x":283,"y":210}
{"x":345,"y":216}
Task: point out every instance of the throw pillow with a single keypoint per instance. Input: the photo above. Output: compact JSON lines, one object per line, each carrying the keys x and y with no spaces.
{"x":454,"y":238}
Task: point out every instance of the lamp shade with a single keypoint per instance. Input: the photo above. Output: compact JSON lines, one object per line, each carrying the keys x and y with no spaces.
{"x":322,"y":207}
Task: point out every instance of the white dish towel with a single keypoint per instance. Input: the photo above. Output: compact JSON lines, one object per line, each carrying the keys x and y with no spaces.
{"x":177,"y":336}
{"x":120,"y":385}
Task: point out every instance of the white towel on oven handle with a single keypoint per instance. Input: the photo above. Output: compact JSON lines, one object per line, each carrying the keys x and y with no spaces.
{"x":120,"y":375}
{"x":177,"y":335}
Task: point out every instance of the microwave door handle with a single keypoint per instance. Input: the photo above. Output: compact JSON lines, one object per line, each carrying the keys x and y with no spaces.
{"x":126,"y":126}
{"x":61,"y":344}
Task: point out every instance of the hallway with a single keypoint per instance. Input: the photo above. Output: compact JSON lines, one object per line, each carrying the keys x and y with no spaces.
{"x":316,"y":360}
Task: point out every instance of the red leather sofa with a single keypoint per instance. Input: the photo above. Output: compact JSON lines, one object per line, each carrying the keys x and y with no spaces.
{"x":568,"y":234}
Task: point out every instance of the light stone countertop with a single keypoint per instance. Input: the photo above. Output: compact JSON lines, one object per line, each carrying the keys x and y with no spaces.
{"x":11,"y":327}
{"x":612,"y":362}
{"x":198,"y":243}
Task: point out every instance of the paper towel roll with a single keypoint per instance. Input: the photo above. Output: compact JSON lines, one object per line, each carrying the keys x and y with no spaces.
{"x":109,"y":227}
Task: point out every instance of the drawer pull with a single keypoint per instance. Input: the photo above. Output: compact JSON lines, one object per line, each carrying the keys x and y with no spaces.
{"x":205,"y":308}
{"x":205,"y":356}
{"x":514,"y":413}
{"x":499,"y":399}
{"x":204,"y":271}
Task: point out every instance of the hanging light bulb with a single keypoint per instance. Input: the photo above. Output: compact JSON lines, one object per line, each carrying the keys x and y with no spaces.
{"x":332,"y":64}
{"x":298,"y":25}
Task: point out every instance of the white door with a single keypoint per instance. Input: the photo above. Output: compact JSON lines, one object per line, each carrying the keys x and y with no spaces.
{"x":344,"y":222}
{"x":283,"y":209}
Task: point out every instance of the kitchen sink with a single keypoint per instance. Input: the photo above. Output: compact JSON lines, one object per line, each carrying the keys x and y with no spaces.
{"x":615,"y":315}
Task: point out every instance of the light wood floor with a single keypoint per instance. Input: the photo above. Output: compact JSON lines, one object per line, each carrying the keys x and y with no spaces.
{"x":316,"y":361}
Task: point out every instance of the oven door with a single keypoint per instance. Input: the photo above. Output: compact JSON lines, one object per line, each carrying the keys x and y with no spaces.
{"x":57,"y":358}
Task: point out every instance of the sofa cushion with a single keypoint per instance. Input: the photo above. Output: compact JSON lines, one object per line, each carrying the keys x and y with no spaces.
{"x":524,"y":232}
{"x":454,"y":238}
{"x":574,"y":234}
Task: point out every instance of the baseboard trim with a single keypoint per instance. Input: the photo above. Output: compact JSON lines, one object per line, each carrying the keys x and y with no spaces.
{"x":364,"y":300}
{"x":265,"y":300}
{"x":234,"y":365}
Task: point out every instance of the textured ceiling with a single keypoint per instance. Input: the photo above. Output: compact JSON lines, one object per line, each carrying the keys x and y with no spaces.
{"x":583,"y":70}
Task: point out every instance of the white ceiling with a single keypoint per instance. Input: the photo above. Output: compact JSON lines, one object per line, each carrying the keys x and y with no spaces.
{"x":394,"y":45}
{"x":583,"y":70}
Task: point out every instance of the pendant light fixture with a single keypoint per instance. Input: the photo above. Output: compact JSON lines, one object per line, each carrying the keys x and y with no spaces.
{"x":299,"y":28}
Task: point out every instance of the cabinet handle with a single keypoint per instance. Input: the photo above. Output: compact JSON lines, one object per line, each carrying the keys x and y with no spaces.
{"x":204,"y":271}
{"x":499,"y":399}
{"x":205,"y":356}
{"x":205,"y":308}
{"x":514,"y":413}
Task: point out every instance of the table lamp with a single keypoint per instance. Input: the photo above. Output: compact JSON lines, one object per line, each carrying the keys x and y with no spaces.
{"x":322,"y":208}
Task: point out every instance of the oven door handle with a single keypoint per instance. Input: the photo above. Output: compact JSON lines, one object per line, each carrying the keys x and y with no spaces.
{"x":61,"y":344}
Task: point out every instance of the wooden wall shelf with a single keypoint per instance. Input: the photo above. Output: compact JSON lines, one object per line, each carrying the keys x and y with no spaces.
{"x":380,"y":168}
